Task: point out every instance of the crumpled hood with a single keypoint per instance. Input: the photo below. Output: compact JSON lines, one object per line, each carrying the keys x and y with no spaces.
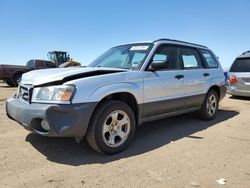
{"x":38,"y":77}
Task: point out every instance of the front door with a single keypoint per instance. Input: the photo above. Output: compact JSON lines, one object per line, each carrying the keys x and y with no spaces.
{"x":164,"y":88}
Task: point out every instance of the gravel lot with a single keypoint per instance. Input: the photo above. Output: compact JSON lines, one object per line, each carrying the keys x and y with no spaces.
{"x":176,"y":152}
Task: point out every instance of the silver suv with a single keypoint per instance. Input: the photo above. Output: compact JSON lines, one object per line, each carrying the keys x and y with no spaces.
{"x":123,"y":88}
{"x":239,"y":76}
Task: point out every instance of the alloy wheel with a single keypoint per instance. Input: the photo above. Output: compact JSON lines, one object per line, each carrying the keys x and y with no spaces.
{"x":116,"y":128}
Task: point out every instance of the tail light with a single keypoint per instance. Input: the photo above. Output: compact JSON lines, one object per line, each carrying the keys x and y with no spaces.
{"x":233,"y":80}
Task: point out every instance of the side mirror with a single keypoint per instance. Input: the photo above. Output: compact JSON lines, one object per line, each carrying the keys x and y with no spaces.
{"x":158,"y":65}
{"x":135,"y":66}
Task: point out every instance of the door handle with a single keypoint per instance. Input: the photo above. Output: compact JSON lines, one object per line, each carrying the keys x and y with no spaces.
{"x":179,"y":76}
{"x":206,"y":74}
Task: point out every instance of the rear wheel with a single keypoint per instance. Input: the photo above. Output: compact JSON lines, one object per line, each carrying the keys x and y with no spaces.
{"x":210,"y":105}
{"x":9,"y":82}
{"x":17,"y":79}
{"x":112,"y":127}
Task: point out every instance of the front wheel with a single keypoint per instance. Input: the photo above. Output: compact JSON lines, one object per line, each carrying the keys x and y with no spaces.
{"x":210,"y":105}
{"x":111,"y":128}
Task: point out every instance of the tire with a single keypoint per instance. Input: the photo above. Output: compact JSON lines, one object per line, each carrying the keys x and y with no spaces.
{"x":17,"y":79}
{"x":9,"y":83}
{"x":111,"y":128}
{"x":210,"y":106}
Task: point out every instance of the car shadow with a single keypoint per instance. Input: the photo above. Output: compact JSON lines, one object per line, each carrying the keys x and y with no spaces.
{"x":148,"y":137}
{"x":240,"y":98}
{"x":7,"y":86}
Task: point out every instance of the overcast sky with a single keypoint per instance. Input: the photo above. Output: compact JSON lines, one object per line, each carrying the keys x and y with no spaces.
{"x":29,"y":29}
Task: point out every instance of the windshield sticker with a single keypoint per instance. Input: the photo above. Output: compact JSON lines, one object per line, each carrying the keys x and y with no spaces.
{"x":139,"y":48}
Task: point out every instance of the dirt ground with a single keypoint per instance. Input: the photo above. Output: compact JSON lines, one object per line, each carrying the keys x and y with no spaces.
{"x":176,"y":152}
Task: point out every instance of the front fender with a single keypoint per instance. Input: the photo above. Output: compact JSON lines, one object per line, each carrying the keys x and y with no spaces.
{"x":127,"y":87}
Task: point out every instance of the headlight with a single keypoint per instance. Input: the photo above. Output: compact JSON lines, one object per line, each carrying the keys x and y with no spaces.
{"x":54,"y":93}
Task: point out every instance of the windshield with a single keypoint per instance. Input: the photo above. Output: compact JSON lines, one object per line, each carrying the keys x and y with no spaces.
{"x":52,"y":56}
{"x":129,"y":56}
{"x":241,"y":65}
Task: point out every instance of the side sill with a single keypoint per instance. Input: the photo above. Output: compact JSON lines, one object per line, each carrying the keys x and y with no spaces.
{"x":166,"y":115}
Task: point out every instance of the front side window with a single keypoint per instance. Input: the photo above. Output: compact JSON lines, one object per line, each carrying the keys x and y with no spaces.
{"x":125,"y":57}
{"x":160,"y":57}
{"x":209,"y":59}
{"x":190,"y":58}
{"x":241,"y":65}
{"x":52,"y":56}
{"x":167,"y":54}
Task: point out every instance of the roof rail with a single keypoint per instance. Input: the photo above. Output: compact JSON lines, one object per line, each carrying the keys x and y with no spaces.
{"x":246,"y":52}
{"x":172,"y":40}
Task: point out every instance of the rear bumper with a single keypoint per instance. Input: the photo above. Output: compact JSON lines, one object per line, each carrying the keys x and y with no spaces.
{"x":235,"y":92}
{"x":64,"y":120}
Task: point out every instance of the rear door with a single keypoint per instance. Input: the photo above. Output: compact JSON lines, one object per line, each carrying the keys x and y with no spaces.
{"x":164,"y":89}
{"x":196,"y":76}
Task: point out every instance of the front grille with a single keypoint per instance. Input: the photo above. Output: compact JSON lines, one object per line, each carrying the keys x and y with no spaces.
{"x":246,"y":80}
{"x":25,"y":93}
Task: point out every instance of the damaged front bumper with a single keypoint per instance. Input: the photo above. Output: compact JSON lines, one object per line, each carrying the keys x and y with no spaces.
{"x":63,"y":120}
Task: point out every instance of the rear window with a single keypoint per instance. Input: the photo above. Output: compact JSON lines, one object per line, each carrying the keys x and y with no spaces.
{"x":241,"y":65}
{"x":209,"y":59}
{"x":30,"y":64}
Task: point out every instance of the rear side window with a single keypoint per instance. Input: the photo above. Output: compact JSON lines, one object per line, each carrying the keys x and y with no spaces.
{"x":190,"y":58}
{"x":241,"y":65}
{"x":39,"y":64}
{"x":209,"y":58}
